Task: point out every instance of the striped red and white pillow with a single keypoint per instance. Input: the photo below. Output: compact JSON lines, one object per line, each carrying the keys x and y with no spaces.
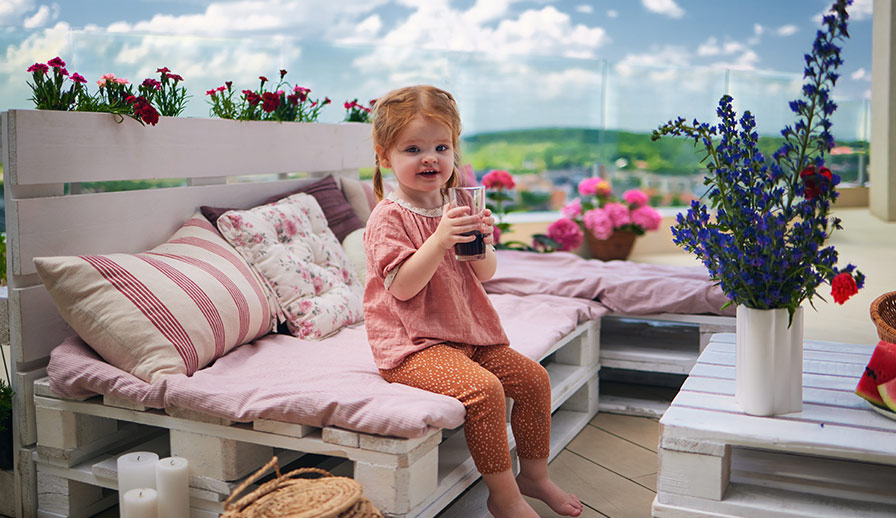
{"x":170,"y":310}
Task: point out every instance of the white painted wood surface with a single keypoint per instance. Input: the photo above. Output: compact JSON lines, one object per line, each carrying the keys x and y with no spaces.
{"x":836,"y":457}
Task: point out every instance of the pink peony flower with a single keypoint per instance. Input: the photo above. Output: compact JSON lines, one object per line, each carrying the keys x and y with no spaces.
{"x":566,"y":233}
{"x":588,"y":186}
{"x":496,"y":235}
{"x":635,"y":197}
{"x":646,"y":217}
{"x":618,"y":214}
{"x":573,"y":209}
{"x":498,"y":179}
{"x":599,"y":223}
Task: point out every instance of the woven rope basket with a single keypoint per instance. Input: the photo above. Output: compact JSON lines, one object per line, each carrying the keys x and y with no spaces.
{"x":883,"y":313}
{"x":288,"y":496}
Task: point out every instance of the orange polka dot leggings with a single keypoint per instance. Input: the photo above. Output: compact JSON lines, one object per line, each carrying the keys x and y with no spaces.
{"x":481,"y":378}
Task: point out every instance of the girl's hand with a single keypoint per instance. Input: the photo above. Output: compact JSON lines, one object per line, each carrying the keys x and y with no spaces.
{"x":454,"y":223}
{"x":487,"y":226}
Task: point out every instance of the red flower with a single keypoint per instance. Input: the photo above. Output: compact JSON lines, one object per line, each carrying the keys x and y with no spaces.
{"x":263,"y":79}
{"x":78,"y":78}
{"x":174,"y":77}
{"x":38,"y":67}
{"x":151,"y":83}
{"x":210,"y":92}
{"x":498,"y":179}
{"x":282,"y":73}
{"x":293,"y":99}
{"x":843,"y":286}
{"x":163,"y":70}
{"x":271,"y":101}
{"x":145,"y":110}
{"x":815,"y":181}
{"x":56,"y":62}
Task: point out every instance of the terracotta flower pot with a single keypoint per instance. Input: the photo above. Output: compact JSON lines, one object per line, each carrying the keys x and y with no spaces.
{"x":617,"y":246}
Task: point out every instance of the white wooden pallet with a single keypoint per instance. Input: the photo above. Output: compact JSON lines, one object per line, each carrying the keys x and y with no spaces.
{"x":663,"y":343}
{"x":837,"y":457}
{"x":403,"y":477}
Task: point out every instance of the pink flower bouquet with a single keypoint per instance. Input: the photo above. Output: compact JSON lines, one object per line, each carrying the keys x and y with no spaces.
{"x":602,"y":214}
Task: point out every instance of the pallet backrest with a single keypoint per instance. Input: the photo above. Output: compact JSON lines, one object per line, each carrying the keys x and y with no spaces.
{"x":46,"y":156}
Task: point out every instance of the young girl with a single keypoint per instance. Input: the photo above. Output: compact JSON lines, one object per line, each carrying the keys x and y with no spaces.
{"x":429,"y":321}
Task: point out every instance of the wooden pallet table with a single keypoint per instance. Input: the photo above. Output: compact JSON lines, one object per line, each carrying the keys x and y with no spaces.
{"x":836,"y":458}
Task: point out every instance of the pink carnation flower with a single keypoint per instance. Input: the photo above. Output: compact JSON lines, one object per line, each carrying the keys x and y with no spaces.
{"x":498,"y":179}
{"x":573,"y":209}
{"x":646,"y":217}
{"x":618,"y":214}
{"x":588,"y":186}
{"x":635,"y":197}
{"x":566,"y":233}
{"x":599,"y":223}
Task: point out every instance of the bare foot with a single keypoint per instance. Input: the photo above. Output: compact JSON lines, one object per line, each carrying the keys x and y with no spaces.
{"x":562,"y":502}
{"x":518,"y":508}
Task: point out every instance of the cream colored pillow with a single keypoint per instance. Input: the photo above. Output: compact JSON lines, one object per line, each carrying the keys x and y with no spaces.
{"x":353,"y":244}
{"x":290,"y":245}
{"x":170,"y":310}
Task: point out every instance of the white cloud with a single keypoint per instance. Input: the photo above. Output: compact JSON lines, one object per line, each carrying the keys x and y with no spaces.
{"x":859,"y":10}
{"x":40,"y":47}
{"x":44,"y":15}
{"x":861,"y":75}
{"x":710,"y":47}
{"x":787,"y":30}
{"x":585,"y":8}
{"x":12,"y":11}
{"x":547,"y":31}
{"x":746,"y":61}
{"x":309,"y":18}
{"x":669,"y":55}
{"x":612,"y":13}
{"x":664,"y":7}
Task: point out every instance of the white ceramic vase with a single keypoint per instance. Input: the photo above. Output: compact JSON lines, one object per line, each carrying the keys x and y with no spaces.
{"x":769,"y":364}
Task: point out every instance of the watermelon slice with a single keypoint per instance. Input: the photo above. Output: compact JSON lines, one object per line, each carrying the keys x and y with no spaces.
{"x":888,"y":394}
{"x":881,"y":369}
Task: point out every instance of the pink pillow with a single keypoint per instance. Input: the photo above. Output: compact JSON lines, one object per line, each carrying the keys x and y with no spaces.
{"x":339,"y":213}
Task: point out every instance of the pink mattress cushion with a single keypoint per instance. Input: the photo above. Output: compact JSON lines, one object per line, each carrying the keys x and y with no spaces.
{"x":622,"y":286}
{"x":320,"y":383}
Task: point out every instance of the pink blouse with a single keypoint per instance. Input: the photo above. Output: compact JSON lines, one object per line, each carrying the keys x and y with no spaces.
{"x":452,"y":307}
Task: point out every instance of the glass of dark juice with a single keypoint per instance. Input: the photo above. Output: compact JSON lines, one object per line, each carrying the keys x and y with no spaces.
{"x":473,"y":197}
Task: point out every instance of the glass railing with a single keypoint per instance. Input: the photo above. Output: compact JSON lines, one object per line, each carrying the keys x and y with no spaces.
{"x":549,"y":120}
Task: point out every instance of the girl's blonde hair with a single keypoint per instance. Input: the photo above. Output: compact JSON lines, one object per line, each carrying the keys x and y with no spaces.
{"x":393,"y":112}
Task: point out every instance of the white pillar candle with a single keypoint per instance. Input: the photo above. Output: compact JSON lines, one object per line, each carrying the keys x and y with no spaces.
{"x":141,"y":502}
{"x":135,"y":470}
{"x":173,"y":486}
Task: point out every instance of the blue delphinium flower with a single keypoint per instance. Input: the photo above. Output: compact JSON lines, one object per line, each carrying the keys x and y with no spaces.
{"x":761,"y":231}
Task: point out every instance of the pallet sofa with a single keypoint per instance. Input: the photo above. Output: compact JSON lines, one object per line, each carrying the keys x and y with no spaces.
{"x":67,"y":438}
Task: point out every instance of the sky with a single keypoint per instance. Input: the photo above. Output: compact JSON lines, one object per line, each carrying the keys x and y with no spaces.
{"x":627,"y":64}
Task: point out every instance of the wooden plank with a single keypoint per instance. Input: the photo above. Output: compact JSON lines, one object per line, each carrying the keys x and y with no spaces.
{"x":859,"y":415}
{"x":850,"y":370}
{"x":642,"y":431}
{"x":78,"y":225}
{"x":36,"y":326}
{"x":769,"y":433}
{"x":723,"y":356}
{"x":86,"y":147}
{"x":843,"y":397}
{"x":815,"y":475}
{"x":748,"y":500}
{"x":647,"y":358}
{"x":614,"y":453}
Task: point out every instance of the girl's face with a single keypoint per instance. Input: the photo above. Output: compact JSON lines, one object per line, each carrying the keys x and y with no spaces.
{"x":422,"y":160}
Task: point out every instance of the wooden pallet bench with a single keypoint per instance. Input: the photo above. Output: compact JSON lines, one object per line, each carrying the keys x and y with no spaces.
{"x":836,"y":458}
{"x":75,"y":452}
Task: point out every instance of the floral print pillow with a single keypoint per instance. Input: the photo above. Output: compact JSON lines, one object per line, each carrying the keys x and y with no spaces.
{"x":299,"y":257}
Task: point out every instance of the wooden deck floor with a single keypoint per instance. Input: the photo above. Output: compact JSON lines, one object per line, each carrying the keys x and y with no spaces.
{"x":611,"y":465}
